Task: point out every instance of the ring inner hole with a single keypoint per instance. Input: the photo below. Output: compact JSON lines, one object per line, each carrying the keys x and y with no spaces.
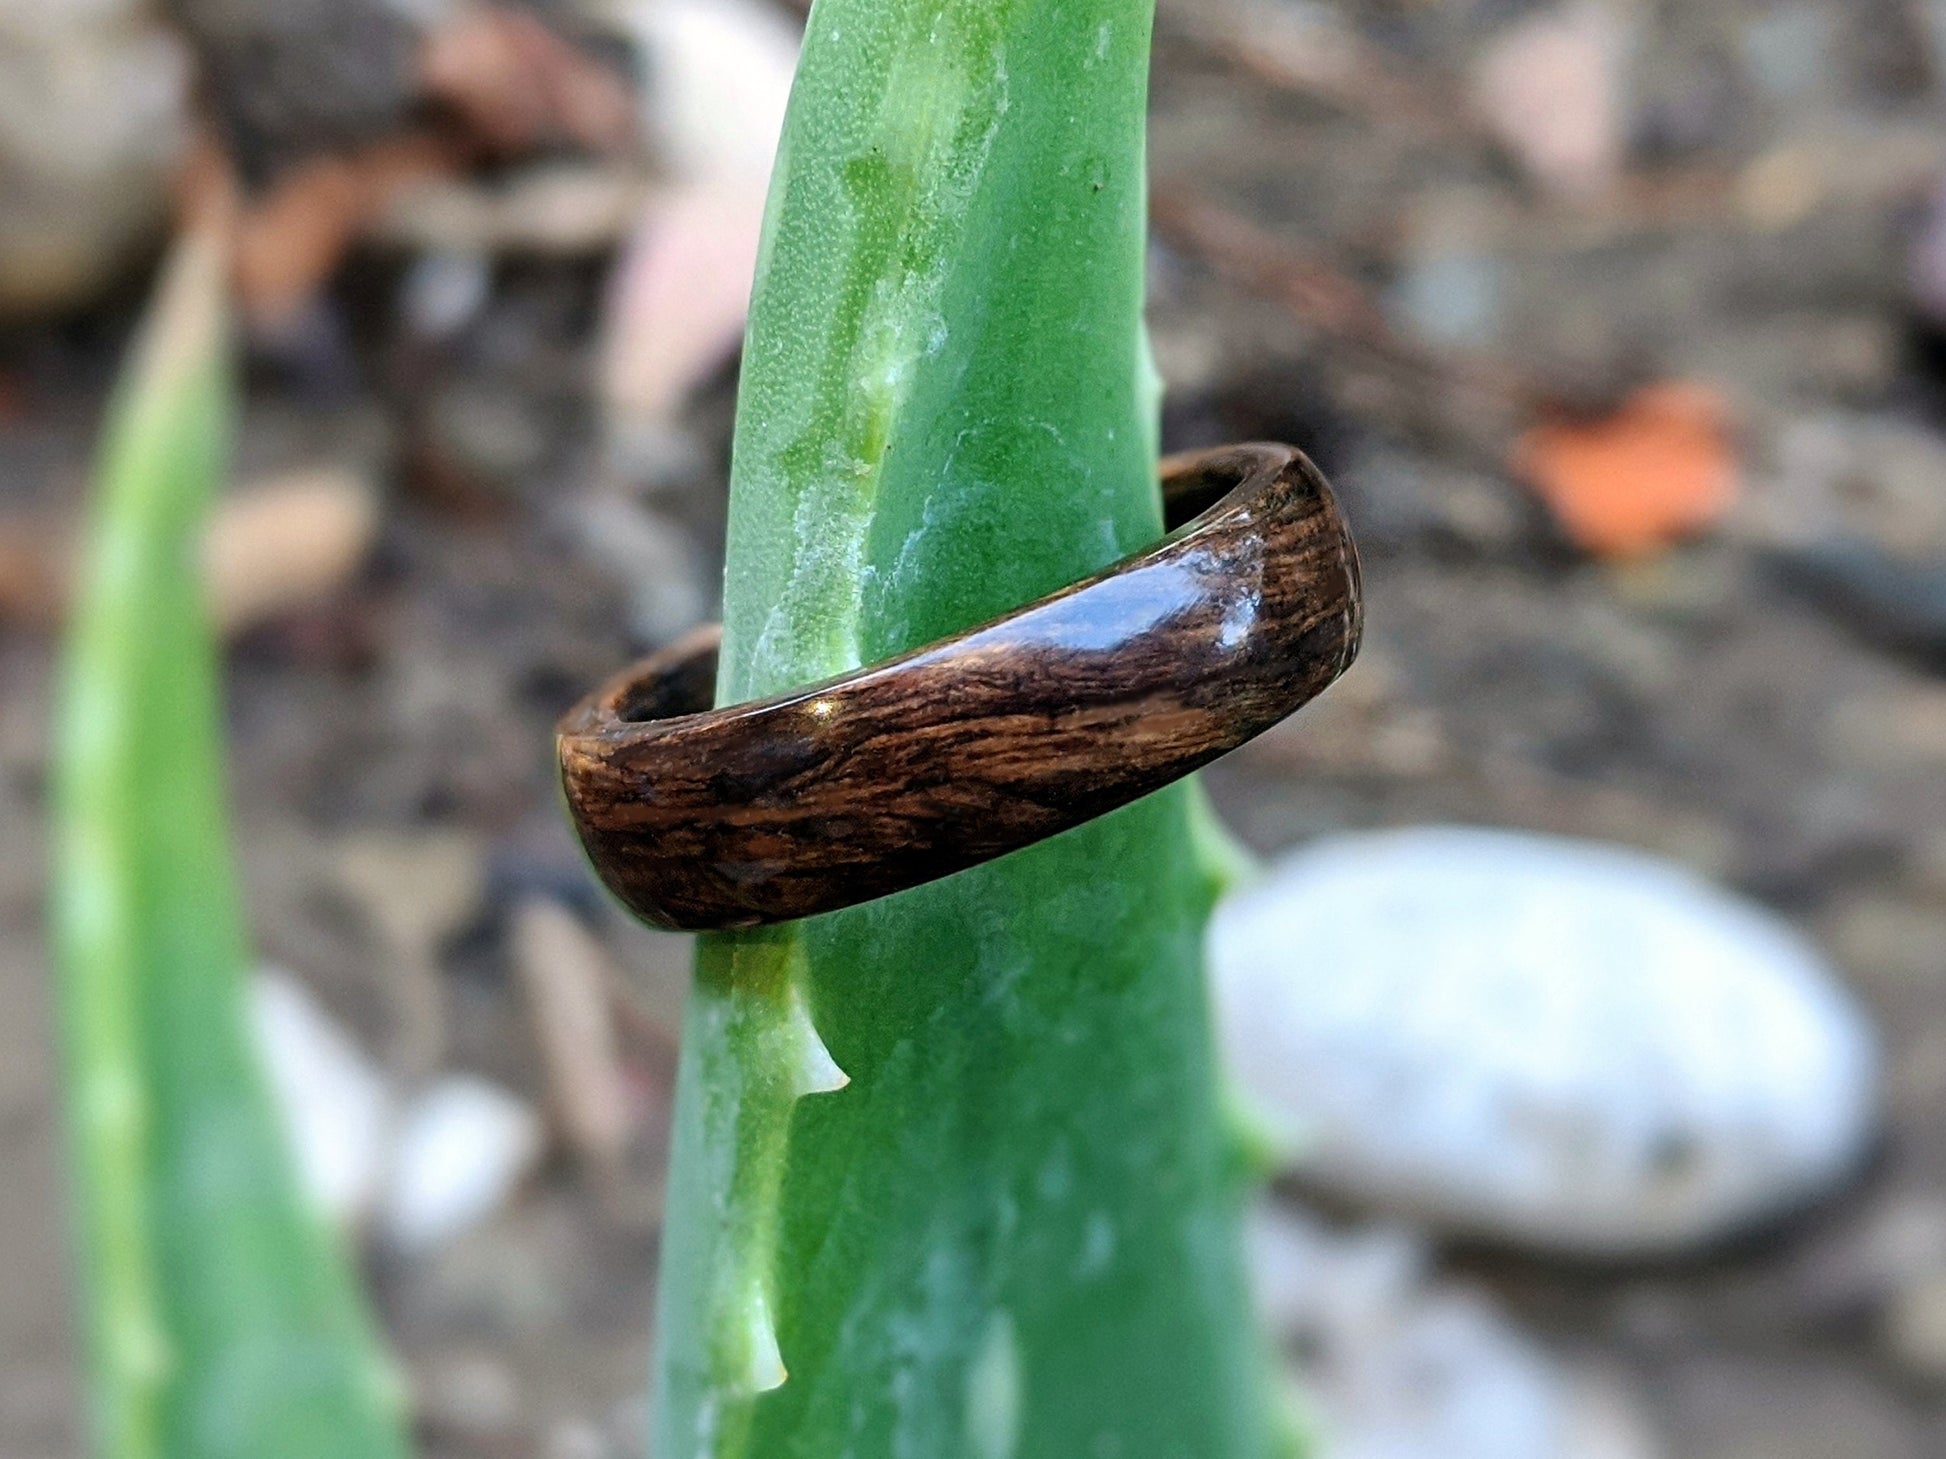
{"x":685,"y":688}
{"x":1189,"y":494}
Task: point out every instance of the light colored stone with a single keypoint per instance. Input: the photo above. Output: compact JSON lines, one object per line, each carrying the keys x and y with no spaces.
{"x":1399,"y":1363}
{"x":1829,"y":474}
{"x":94,"y":119}
{"x":336,"y":1108}
{"x":428,"y":1168}
{"x":1915,"y":1329}
{"x":464,"y":1146}
{"x":1550,"y":88}
{"x":286,"y":542}
{"x":547,"y":210}
{"x":1558,"y":1044}
{"x":719,"y":76}
{"x":1865,"y":1263}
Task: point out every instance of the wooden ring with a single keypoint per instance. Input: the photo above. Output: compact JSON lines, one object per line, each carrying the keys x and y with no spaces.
{"x":978,"y":744}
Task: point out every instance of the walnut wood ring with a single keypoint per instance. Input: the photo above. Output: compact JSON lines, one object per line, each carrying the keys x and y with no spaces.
{"x":981,"y":743}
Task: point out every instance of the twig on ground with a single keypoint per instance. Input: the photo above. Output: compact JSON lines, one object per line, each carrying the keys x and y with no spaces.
{"x":1324,"y":298}
{"x":1320,"y":57}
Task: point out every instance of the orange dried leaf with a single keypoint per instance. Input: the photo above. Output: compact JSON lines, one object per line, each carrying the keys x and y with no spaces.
{"x":1660,"y":468}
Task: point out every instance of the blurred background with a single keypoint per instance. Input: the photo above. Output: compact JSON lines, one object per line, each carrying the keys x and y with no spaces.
{"x":1621,"y":325}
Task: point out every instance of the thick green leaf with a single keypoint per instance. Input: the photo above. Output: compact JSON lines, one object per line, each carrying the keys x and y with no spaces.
{"x":1014,"y":1231}
{"x":222,"y":1321}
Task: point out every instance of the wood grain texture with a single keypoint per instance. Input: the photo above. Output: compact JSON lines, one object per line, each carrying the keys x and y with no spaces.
{"x":979,"y":744}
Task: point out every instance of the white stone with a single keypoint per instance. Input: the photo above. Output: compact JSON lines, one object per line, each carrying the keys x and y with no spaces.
{"x":720,"y":74}
{"x":425,"y":1168}
{"x":464,"y":1145}
{"x":1400,"y":1363}
{"x":1557,"y":1044}
{"x":335,"y":1107}
{"x":94,"y":118}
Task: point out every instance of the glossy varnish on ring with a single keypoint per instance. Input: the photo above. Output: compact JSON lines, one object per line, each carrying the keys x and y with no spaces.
{"x":978,"y":744}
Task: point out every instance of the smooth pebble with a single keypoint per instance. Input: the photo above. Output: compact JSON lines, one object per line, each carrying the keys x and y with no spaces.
{"x":1556,"y":1044}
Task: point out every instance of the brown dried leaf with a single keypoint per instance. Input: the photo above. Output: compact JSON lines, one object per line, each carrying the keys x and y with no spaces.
{"x":291,"y":240}
{"x":515,"y":85}
{"x":569,"y":983}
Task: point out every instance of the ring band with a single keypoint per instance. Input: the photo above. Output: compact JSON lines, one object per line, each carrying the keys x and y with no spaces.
{"x":979,"y":744}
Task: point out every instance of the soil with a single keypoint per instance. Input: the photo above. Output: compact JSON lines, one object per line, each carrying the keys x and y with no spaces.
{"x":1735,"y":701}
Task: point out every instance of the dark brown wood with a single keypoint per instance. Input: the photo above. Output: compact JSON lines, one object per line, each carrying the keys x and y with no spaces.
{"x":978,"y":744}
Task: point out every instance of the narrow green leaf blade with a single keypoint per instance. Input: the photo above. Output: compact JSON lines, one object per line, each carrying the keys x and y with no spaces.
{"x":1013,"y":1235}
{"x":222,"y":1321}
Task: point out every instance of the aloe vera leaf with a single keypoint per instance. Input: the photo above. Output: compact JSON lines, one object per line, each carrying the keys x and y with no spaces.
{"x":1013,"y":1232}
{"x":222,"y":1322}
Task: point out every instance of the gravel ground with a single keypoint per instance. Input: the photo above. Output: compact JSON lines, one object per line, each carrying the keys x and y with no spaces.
{"x":1734,"y":702}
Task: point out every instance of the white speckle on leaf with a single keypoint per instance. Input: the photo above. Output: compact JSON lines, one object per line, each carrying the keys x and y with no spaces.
{"x":1098,"y":1244}
{"x":1056,"y":1176}
{"x":909,"y":566}
{"x":993,"y":1385}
